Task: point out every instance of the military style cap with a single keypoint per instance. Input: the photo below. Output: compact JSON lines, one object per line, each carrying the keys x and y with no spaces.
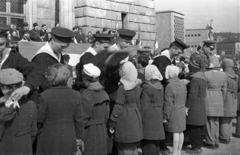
{"x":143,"y":51}
{"x":181,"y":45}
{"x":103,"y":37}
{"x":66,"y":57}
{"x":63,"y":34}
{"x":25,"y":24}
{"x":209,"y":43}
{"x":3,"y":29}
{"x":35,"y":24}
{"x":126,"y":34}
{"x":10,"y":76}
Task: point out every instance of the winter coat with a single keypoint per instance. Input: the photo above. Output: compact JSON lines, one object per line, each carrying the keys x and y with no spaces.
{"x":126,"y":117}
{"x":60,"y":113}
{"x":33,"y":74}
{"x":95,"y":114}
{"x":35,"y":35}
{"x":151,"y":112}
{"x":174,"y":105}
{"x":216,"y":92}
{"x":196,"y":100}
{"x":231,"y":102}
{"x":20,"y":132}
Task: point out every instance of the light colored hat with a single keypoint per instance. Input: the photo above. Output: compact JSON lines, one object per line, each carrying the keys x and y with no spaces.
{"x":152,"y":72}
{"x":10,"y":76}
{"x":171,"y":71}
{"x":91,"y":70}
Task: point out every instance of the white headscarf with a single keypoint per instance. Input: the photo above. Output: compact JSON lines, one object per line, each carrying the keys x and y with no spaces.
{"x":91,"y":70}
{"x":171,"y":71}
{"x":128,"y":75}
{"x":152,"y":72}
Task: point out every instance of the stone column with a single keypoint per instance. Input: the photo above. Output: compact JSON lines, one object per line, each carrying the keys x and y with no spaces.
{"x":66,"y":13}
{"x":31,"y":12}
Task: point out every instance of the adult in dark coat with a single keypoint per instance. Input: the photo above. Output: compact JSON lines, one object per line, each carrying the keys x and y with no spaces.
{"x":95,"y":112}
{"x":151,"y":111}
{"x":12,"y":59}
{"x":80,"y":37}
{"x":196,"y":111}
{"x":23,"y":30}
{"x":34,"y":33}
{"x":125,"y":120}
{"x":43,"y":33}
{"x":230,"y":102}
{"x":20,"y":126}
{"x":60,"y":113}
{"x":51,"y":52}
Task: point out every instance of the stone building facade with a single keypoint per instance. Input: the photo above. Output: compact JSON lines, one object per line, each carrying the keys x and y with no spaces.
{"x":92,"y":15}
{"x":169,"y":25}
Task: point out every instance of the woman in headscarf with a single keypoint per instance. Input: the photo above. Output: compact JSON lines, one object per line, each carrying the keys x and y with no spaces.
{"x":125,"y":120}
{"x":174,"y":107}
{"x":151,"y":111}
{"x":216,"y":92}
{"x":230,"y":102}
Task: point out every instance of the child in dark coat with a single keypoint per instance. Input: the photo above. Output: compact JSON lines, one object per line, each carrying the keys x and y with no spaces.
{"x":174,"y":107}
{"x":60,"y":113}
{"x":151,"y":111}
{"x":18,"y":126}
{"x":95,"y":112}
{"x":125,"y":121}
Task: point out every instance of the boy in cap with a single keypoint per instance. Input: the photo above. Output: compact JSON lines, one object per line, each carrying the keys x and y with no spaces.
{"x":31,"y":71}
{"x":18,"y":125}
{"x":34,"y":33}
{"x":51,"y":52}
{"x":95,"y":103}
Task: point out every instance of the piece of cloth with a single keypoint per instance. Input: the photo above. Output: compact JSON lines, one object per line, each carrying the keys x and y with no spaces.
{"x":212,"y":130}
{"x":152,"y":72}
{"x":171,"y":71}
{"x":91,"y":70}
{"x":128,"y":151}
{"x":128,"y":75}
{"x":225,"y":125}
{"x":10,"y":76}
{"x":150,"y":147}
{"x":195,"y":134}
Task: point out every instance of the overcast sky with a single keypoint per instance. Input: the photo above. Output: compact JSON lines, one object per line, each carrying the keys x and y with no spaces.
{"x":225,"y":13}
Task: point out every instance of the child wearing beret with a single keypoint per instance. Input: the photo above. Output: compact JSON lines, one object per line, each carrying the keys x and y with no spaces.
{"x":18,"y":126}
{"x":60,"y":115}
{"x":95,"y":112}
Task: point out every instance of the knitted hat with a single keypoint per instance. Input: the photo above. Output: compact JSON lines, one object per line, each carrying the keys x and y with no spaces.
{"x":10,"y":76}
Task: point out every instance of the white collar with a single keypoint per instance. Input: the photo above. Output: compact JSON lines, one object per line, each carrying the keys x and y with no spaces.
{"x":91,"y":50}
{"x":47,"y":49}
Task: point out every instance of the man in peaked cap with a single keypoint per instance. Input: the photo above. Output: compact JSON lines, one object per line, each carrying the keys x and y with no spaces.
{"x":33,"y":74}
{"x":100,"y":44}
{"x":51,"y":52}
{"x":35,"y":34}
{"x":167,"y":57}
{"x":124,"y":38}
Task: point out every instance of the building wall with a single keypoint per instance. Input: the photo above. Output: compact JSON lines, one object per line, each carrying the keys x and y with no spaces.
{"x":94,"y":15}
{"x":169,"y":25}
{"x":228,"y":48}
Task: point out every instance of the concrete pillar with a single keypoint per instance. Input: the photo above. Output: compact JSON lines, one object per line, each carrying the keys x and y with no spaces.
{"x":31,"y":12}
{"x":66,"y":13}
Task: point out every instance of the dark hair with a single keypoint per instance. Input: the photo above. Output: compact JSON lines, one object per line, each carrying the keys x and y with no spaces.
{"x":109,"y":31}
{"x":58,"y":74}
{"x":104,"y":29}
{"x":143,"y":60}
{"x":97,"y":32}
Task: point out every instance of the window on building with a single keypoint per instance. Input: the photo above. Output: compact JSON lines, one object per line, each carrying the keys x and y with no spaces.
{"x":124,"y":20}
{"x":191,"y":35}
{"x":195,"y":35}
{"x":12,"y":12}
{"x":199,"y":35}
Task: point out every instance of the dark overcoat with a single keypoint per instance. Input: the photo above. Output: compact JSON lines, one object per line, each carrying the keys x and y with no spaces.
{"x":95,"y":113}
{"x":152,"y":113}
{"x":196,"y":100}
{"x":20,"y":132}
{"x":174,"y":105}
{"x":35,"y":35}
{"x":60,"y":112}
{"x":126,"y":117}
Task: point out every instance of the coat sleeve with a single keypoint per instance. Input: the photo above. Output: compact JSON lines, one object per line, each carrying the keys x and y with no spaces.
{"x":42,"y":110}
{"x":78,"y":120}
{"x":145,"y":101}
{"x":107,"y":111}
{"x":34,"y":127}
{"x":224,"y":88}
{"x":193,"y":93}
{"x":34,"y":74}
{"x":168,"y":102}
{"x":34,"y":36}
{"x":118,"y":107}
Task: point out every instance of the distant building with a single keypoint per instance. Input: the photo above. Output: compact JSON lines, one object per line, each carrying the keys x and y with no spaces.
{"x":91,"y":15}
{"x":169,"y":25}
{"x":194,"y":37}
{"x":228,"y":47}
